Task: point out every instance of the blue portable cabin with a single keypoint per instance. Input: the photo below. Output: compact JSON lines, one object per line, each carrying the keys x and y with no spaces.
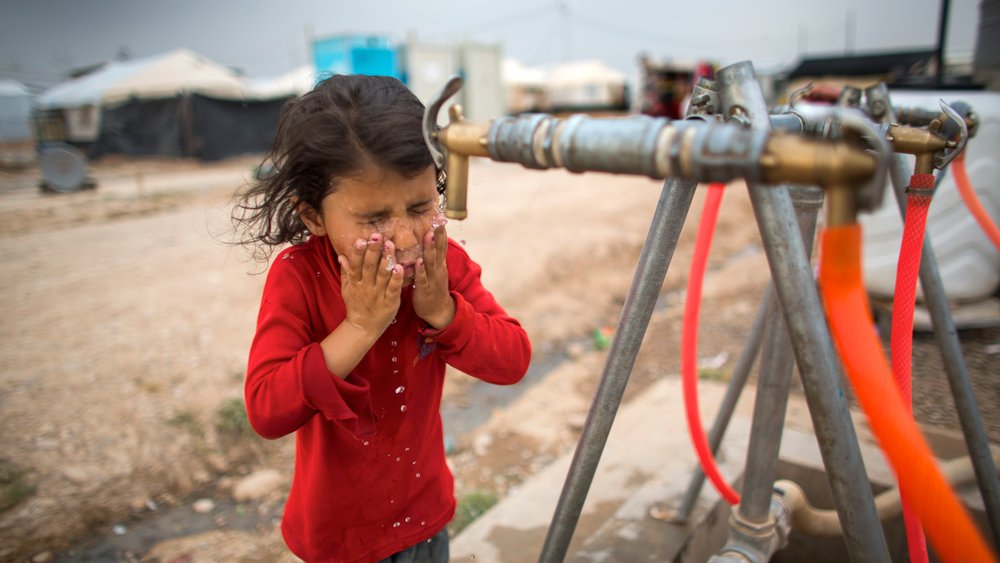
{"x":355,"y":54}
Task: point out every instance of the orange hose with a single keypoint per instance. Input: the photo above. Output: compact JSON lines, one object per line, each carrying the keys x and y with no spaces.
{"x":972,"y":202}
{"x":951,"y":531}
{"x":918,"y":201}
{"x":689,"y":344}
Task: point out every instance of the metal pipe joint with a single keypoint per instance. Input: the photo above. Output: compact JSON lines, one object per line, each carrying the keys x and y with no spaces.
{"x":756,"y":542}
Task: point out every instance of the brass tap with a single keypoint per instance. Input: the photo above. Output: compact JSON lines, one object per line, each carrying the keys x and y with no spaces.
{"x":925,"y":144}
{"x":452,"y":146}
{"x":793,"y":159}
{"x":461,"y":139}
{"x":851,"y":168}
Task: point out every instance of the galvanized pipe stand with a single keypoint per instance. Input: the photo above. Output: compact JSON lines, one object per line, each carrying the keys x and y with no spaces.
{"x":709,"y":151}
{"x":740,"y":95}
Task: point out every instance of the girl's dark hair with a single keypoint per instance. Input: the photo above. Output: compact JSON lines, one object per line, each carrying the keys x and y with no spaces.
{"x":345,"y":123}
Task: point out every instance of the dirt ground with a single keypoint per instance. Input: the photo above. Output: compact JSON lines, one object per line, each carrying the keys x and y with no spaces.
{"x":128,"y":316}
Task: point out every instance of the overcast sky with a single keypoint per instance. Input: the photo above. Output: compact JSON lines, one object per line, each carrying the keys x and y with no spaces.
{"x":41,"y":39}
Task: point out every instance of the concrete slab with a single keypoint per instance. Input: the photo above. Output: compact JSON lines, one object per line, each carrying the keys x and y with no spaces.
{"x":646,"y":466}
{"x":648,"y":445}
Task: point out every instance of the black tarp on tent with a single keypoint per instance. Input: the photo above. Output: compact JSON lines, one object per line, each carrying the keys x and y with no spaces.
{"x":189,"y":125}
{"x":141,"y":128}
{"x":224,"y":128}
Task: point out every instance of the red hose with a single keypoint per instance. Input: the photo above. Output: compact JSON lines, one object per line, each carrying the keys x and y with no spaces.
{"x":689,"y":343}
{"x":951,"y":531}
{"x":918,"y":201}
{"x":972,"y":202}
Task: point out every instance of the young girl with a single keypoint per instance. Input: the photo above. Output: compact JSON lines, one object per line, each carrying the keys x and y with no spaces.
{"x":358,"y":318}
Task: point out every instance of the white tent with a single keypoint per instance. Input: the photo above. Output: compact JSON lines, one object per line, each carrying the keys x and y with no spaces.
{"x":516,"y":72}
{"x":525,"y":86}
{"x":160,"y":76}
{"x":293,"y":83}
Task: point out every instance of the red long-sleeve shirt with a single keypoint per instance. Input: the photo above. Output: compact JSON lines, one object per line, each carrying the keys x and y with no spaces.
{"x":370,"y":477}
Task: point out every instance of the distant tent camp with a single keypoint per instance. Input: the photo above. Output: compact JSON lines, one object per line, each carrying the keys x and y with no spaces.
{"x":175,"y":104}
{"x":586,"y":85}
{"x":525,"y":87}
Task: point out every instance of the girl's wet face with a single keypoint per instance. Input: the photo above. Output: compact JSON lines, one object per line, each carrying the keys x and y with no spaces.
{"x":398,"y":208}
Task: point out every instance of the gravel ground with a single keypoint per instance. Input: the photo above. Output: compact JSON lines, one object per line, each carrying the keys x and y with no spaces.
{"x":932,"y":397}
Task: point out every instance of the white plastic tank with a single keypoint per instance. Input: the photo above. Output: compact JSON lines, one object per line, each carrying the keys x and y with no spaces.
{"x":968,"y":261}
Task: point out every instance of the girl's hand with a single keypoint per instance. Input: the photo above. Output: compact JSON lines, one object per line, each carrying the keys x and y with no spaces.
{"x":370,"y":285}
{"x":431,"y":300}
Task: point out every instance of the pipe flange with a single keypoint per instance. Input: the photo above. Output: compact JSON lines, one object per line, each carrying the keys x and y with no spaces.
{"x":512,"y":139}
{"x":721,"y":152}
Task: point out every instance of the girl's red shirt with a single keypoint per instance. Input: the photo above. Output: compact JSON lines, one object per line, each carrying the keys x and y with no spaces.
{"x":371,"y":477}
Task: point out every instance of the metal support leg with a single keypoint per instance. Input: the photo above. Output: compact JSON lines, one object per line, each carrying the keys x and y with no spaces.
{"x":661,"y":241}
{"x":773,"y":385}
{"x":739,"y":92}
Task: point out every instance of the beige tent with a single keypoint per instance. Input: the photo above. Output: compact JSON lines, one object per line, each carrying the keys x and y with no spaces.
{"x":585,"y":84}
{"x":163,"y":76}
{"x":525,"y":87}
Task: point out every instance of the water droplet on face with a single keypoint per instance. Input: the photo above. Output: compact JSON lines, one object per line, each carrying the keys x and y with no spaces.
{"x":399,"y":390}
{"x":462,"y":242}
{"x":402,"y":408}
